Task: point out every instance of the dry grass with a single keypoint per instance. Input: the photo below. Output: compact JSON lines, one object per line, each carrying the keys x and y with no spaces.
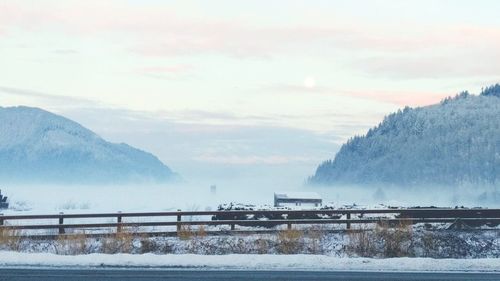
{"x":200,"y":231}
{"x":148,"y":245}
{"x":10,"y":239}
{"x":120,"y":242}
{"x":384,"y":241}
{"x":290,"y":241}
{"x":430,"y":244}
{"x":153,"y":245}
{"x":397,"y":240}
{"x":185,"y":232}
{"x":262,"y":246}
{"x":314,"y":235}
{"x":72,"y":244}
{"x":362,"y":242}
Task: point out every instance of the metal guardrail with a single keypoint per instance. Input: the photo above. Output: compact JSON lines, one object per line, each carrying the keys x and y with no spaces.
{"x":289,"y":218}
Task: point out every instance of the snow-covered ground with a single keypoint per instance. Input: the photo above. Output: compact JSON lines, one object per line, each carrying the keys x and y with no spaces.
{"x":249,"y":262}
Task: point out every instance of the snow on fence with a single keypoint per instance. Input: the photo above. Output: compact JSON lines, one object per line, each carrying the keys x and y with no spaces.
{"x":251,"y":221}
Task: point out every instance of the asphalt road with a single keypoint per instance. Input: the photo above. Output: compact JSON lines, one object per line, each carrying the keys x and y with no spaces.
{"x":23,"y":274}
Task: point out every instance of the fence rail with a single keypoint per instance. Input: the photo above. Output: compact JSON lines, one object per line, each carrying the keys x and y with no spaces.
{"x":233,"y":218}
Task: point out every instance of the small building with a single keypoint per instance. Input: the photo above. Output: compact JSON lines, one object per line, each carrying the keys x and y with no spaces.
{"x":297,"y":199}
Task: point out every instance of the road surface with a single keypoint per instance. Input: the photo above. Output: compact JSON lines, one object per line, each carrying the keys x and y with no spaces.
{"x":32,"y":274}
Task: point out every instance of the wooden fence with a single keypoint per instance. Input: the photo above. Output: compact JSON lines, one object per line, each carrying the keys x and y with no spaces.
{"x":268,"y":219}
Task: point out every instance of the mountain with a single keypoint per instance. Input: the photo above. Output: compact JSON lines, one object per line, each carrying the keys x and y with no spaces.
{"x":454,"y":142}
{"x":37,"y":146}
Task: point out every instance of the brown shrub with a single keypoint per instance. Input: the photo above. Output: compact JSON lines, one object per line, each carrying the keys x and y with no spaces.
{"x":289,"y":241}
{"x":362,"y":242}
{"x":10,"y":239}
{"x":185,"y":232}
{"x":152,"y":245}
{"x":314,"y":235}
{"x":200,"y":231}
{"x":147,"y":245}
{"x":386,"y":240}
{"x":430,"y":244}
{"x":396,"y":240}
{"x":262,"y":246}
{"x":72,"y":244}
{"x":120,"y":242}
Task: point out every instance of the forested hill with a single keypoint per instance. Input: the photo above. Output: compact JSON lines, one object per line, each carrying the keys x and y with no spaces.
{"x":454,"y":142}
{"x":37,"y":146}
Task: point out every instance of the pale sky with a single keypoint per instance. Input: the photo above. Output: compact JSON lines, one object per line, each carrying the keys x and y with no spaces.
{"x":217,"y":87}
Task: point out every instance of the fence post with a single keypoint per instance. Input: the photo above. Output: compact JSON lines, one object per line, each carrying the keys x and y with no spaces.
{"x":233,"y":227}
{"x":119,"y":221}
{"x":1,"y":219}
{"x":178,"y":221}
{"x":348,"y":223}
{"x":289,"y":226}
{"x":61,"y":222}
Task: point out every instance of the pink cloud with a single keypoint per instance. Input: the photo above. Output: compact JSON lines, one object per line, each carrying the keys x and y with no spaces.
{"x":87,"y":17}
{"x":160,"y":30}
{"x":402,"y":98}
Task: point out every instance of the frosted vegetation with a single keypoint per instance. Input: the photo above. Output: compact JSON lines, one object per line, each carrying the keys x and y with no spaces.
{"x":453,"y":143}
{"x":380,"y":242}
{"x":40,"y":147}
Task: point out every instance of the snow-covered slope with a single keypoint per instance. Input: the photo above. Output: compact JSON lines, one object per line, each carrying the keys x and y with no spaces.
{"x":37,"y":146}
{"x":454,"y":142}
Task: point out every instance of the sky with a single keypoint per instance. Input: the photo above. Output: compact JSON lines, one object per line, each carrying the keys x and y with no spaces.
{"x":242,"y":89}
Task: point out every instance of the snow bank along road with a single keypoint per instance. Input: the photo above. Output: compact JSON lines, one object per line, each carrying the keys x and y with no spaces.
{"x":23,"y":274}
{"x":247,"y":262}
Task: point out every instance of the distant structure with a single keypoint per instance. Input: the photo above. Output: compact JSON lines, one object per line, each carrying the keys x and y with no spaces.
{"x":3,"y":201}
{"x":213,"y":189}
{"x":293,"y":199}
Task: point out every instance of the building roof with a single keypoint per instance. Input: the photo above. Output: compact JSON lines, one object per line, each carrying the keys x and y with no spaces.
{"x":297,"y":195}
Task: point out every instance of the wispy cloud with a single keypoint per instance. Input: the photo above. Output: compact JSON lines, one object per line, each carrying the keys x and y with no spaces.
{"x":255,"y":159}
{"x":172,"y":69}
{"x":195,"y":121}
{"x":197,"y":148}
{"x":176,"y":71}
{"x":65,"y":51}
{"x":296,"y":88}
{"x":159,"y":30}
{"x":433,"y":66}
{"x":400,"y":98}
{"x":48,"y":98}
